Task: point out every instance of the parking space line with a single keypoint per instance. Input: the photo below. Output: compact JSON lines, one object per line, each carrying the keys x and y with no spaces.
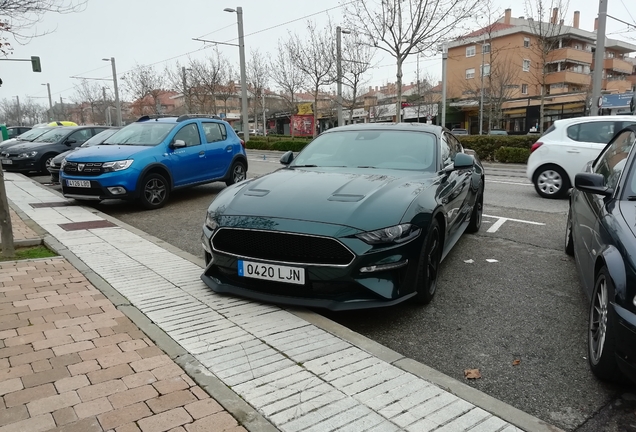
{"x":501,"y":220}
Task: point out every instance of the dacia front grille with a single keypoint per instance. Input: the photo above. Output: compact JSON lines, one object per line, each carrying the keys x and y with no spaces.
{"x":83,"y":168}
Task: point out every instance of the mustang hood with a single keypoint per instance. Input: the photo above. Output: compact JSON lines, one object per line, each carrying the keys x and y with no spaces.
{"x":105,"y":153}
{"x":361,"y":198}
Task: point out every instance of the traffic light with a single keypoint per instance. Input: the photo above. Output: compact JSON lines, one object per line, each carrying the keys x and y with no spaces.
{"x":35,"y":64}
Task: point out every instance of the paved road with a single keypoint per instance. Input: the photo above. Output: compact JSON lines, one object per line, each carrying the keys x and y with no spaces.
{"x":526,"y":306}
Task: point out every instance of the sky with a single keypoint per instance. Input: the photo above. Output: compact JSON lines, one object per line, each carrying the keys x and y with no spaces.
{"x":160,"y":32}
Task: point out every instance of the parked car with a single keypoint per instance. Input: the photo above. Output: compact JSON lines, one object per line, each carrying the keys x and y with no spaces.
{"x":458,"y":131}
{"x":56,"y":162}
{"x":566,"y":147}
{"x":28,"y":136}
{"x":600,"y":234}
{"x":152,"y":157}
{"x":37,"y":155}
{"x":14,"y":131}
{"x":497,"y":132}
{"x":360,"y":218}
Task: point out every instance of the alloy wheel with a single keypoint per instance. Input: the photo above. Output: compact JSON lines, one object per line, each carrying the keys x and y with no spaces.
{"x":550,"y":182}
{"x":155,"y":191}
{"x":239,"y":173}
{"x":598,"y":321}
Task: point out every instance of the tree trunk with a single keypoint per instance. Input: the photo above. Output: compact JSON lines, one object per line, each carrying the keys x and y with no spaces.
{"x":8,"y":249}
{"x":398,"y":104}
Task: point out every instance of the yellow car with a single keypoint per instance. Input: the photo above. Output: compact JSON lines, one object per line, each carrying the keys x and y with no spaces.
{"x":62,"y":123}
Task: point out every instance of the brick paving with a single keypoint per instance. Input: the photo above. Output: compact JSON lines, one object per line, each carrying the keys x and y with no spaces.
{"x":70,"y":361}
{"x":20,"y":229}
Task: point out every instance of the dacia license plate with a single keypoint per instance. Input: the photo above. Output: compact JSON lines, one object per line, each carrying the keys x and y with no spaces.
{"x":78,"y":183}
{"x":271,"y":272}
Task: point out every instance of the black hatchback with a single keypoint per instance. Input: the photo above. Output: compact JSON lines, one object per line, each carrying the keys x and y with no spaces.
{"x":37,"y":155}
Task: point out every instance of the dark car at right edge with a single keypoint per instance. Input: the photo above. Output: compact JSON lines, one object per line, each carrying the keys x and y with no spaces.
{"x":601,"y":235}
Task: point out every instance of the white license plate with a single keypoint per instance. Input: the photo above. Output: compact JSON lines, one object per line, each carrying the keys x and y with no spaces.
{"x":271,"y":272}
{"x":7,"y":162}
{"x":78,"y":183}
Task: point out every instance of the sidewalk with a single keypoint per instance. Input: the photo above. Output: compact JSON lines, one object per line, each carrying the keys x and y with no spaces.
{"x":297,"y":370}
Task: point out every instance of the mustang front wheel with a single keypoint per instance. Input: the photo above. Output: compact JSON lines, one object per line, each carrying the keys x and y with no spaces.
{"x":428,"y":268}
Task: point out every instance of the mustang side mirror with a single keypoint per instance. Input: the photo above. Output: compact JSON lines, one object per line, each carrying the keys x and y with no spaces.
{"x":592,"y":183}
{"x":463,"y":161}
{"x":177,"y":144}
{"x":287,"y":158}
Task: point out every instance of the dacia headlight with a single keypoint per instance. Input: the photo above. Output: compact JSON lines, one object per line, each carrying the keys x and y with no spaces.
{"x":210,"y":222}
{"x":394,"y":234}
{"x":117,"y":165}
{"x":27,"y":154}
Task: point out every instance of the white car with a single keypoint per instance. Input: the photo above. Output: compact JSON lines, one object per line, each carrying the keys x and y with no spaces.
{"x":564,"y":149}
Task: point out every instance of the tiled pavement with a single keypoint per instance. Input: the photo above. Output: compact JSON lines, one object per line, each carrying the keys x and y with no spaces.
{"x":300,"y":377}
{"x":20,"y":229}
{"x":70,"y":361}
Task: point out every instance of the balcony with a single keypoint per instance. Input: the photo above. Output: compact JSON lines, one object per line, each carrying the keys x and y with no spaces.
{"x":568,"y":77}
{"x":569,"y":54}
{"x":618,"y":65}
{"x":617,"y":85}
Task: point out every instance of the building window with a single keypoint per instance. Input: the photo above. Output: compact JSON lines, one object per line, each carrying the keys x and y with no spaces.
{"x":486,"y":70}
{"x":526,"y":42}
{"x":526,"y":65}
{"x":524,"y":88}
{"x":470,"y":51}
{"x":485,"y":48}
{"x":470,"y":73}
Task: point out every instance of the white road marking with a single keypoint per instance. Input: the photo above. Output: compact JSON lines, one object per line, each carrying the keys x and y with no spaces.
{"x":490,"y":260}
{"x":511,"y":183}
{"x":469,"y":261}
{"x":501,"y":220}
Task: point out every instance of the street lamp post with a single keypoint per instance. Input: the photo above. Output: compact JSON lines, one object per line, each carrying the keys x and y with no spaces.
{"x":339,"y":32}
{"x":48,"y":88}
{"x":17,"y":98}
{"x":481,"y":96}
{"x":244,"y":115}
{"x":116,"y":88}
{"x":185,"y":89}
{"x":444,"y":49}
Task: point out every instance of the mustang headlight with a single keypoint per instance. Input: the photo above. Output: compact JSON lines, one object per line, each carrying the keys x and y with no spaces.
{"x":27,"y":155}
{"x":117,"y":165}
{"x":210,"y":222}
{"x":395,"y":234}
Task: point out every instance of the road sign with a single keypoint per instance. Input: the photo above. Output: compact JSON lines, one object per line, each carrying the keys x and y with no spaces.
{"x":600,"y":101}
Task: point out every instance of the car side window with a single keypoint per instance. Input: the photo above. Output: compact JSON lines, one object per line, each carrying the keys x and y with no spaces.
{"x":454,"y":144}
{"x":80,"y":136}
{"x":189,"y":134}
{"x":611,"y":162}
{"x":448,"y":154}
{"x":214,"y":132}
{"x":600,"y":132}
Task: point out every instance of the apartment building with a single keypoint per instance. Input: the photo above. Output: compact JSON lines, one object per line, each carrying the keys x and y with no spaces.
{"x":519,"y":66}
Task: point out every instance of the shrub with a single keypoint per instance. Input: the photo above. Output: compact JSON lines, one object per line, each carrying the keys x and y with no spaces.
{"x":486,"y":145}
{"x":512,"y":155}
{"x":295,"y":145}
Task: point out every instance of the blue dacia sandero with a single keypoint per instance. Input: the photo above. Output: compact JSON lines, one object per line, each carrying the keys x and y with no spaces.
{"x":153,"y":156}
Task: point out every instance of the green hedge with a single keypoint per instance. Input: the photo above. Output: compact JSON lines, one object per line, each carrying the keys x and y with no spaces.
{"x":487,"y":145}
{"x":512,"y":155}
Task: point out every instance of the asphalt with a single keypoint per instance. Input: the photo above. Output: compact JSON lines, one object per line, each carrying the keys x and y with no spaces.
{"x":133,"y":253}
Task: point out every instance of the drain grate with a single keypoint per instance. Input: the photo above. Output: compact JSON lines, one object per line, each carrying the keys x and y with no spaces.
{"x":52,"y":204}
{"x":76,"y":226}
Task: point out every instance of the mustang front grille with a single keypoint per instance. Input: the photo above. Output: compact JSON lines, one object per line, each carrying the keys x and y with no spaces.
{"x":281,"y":247}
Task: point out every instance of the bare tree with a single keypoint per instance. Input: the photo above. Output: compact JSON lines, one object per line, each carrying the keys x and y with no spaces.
{"x":357,"y":58}
{"x":314,"y":55}
{"x":227,"y":85}
{"x":89,"y":93}
{"x":180,"y":80}
{"x":406,"y":27}
{"x":545,"y":18}
{"x":287,"y":76}
{"x":207,"y":77}
{"x":257,"y":79}
{"x":145,"y":85}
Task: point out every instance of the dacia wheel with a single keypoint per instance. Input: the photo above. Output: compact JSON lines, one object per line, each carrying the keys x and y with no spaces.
{"x":550,"y":181}
{"x":569,"y":241}
{"x":155,"y":191}
{"x":475,"y":216}
{"x":428,"y":267}
{"x":601,"y":336}
{"x":238,"y":173}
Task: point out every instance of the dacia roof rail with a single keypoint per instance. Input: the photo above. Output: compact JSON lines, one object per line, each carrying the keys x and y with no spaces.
{"x":192,"y":116}
{"x":153,"y":117}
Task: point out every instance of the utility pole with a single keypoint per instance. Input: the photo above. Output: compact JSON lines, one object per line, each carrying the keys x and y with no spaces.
{"x":339,"y":32}
{"x":106,"y":108}
{"x":17,"y":98}
{"x":599,"y":57}
{"x":62,"y":107}
{"x":185,"y":89}
{"x":264,"y":126}
{"x":48,"y":89}
{"x":444,"y":61}
{"x":481,"y":97}
{"x":245,"y":121}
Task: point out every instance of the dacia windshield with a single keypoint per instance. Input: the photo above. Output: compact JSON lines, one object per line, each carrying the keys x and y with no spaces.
{"x":141,"y":134}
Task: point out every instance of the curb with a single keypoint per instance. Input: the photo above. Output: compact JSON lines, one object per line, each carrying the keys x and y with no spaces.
{"x":476,"y":397}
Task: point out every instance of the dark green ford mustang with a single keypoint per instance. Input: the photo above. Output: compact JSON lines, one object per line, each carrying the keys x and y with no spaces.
{"x":362,"y":217}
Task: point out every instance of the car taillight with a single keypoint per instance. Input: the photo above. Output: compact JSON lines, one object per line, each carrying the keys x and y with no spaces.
{"x":535,"y":146}
{"x":243,"y":143}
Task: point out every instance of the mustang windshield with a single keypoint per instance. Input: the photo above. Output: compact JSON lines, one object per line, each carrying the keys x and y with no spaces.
{"x":143,"y":134}
{"x":383,"y":149}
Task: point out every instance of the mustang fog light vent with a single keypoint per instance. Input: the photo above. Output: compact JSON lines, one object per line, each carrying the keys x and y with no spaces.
{"x":117,"y":190}
{"x":384,"y":267}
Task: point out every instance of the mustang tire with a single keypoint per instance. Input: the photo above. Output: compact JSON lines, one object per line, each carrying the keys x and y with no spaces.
{"x":476,"y":215}
{"x":569,"y":241}
{"x":428,"y":267}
